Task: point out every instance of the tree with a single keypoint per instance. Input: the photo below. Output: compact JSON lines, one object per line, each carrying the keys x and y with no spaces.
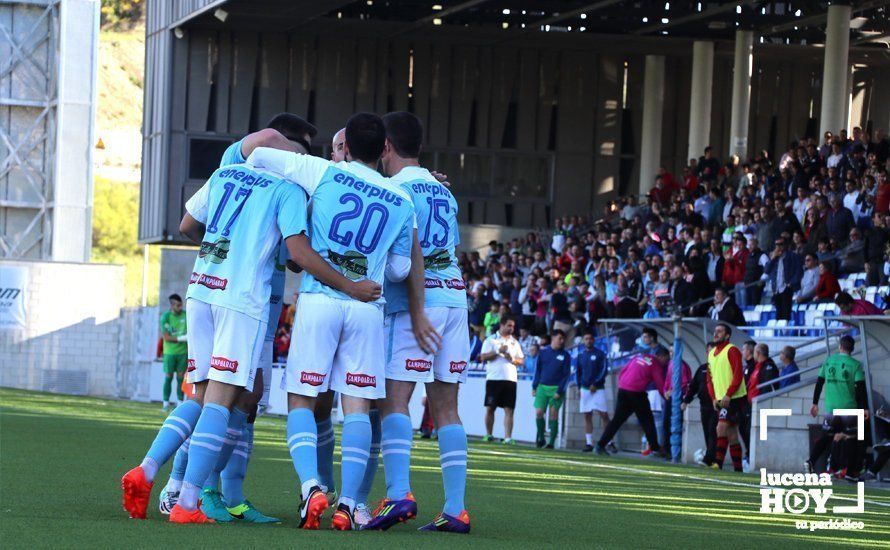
{"x":116,"y":13}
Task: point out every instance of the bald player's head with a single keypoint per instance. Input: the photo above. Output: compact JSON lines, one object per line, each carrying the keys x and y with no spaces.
{"x":338,"y":146}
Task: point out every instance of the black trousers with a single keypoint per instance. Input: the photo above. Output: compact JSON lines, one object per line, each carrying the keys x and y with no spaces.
{"x":709,"y":427}
{"x":626,"y":404}
{"x":754,"y":294}
{"x":783,"y":301}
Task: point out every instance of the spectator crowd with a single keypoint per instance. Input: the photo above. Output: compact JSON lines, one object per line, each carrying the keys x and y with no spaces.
{"x":719,"y":239}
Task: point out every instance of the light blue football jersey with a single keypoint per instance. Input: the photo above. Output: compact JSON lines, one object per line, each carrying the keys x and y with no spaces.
{"x":232,"y":154}
{"x":436,"y":211}
{"x":358,"y":217}
{"x":276,"y":298}
{"x":247,"y":213}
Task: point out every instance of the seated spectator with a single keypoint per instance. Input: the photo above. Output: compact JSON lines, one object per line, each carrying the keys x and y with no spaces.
{"x":850,"y":306}
{"x":852,"y":256}
{"x":810,"y":281}
{"x":788,"y":367}
{"x":827,"y":287}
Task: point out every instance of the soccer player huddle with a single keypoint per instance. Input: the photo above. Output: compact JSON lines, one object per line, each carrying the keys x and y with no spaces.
{"x":382,"y":307}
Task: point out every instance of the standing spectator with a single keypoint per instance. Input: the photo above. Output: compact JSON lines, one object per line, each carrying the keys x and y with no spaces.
{"x":769,"y":229}
{"x":475,"y":346}
{"x":839,"y":220}
{"x":734,"y":269}
{"x":725,"y":309}
{"x":526,"y":340}
{"x":876,"y":239}
{"x":708,"y":166}
{"x":642,"y":369}
{"x":492,"y":318}
{"x":754,"y":266}
{"x":789,"y":367}
{"x":591,"y":369}
{"x":531,"y":359}
{"x":559,"y":305}
{"x":549,"y":385}
{"x":785,"y":271}
{"x":501,"y":354}
{"x":173,"y":332}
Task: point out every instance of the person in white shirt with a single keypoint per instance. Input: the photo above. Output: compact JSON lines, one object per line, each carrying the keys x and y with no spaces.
{"x":801,"y":204}
{"x":501,"y":354}
{"x":850,"y":199}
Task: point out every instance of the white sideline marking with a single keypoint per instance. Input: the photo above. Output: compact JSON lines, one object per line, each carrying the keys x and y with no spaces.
{"x":657,"y":473}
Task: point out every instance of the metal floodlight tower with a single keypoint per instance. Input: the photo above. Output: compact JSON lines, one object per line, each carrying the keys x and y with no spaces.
{"x":48,"y":67}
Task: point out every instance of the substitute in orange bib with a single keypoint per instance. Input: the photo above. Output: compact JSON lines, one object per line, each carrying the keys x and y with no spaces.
{"x":727,"y":389}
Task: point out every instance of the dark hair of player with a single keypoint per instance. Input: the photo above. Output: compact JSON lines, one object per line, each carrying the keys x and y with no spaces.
{"x":293,"y":128}
{"x":175,"y":297}
{"x":847,"y":343}
{"x":726,"y":327}
{"x":405,"y":132}
{"x":651,"y":333}
{"x":365,"y":137}
{"x":558,"y":332}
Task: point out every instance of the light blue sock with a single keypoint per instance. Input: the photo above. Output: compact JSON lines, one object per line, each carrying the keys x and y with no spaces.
{"x":354,"y":451}
{"x":175,"y":429}
{"x":237,"y":420}
{"x":325,"y":452}
{"x":207,"y":442}
{"x":233,"y":475}
{"x":396,"y":445}
{"x":302,"y":441}
{"x":453,"y":457}
{"x":180,"y":461}
{"x":371,"y":469}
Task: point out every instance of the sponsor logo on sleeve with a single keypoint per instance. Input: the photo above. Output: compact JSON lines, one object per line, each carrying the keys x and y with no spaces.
{"x":458,"y":366}
{"x":311,"y":378}
{"x":361,"y":380}
{"x":209,"y":281}
{"x":221,"y":363}
{"x":419,"y":365}
{"x":191,"y":365}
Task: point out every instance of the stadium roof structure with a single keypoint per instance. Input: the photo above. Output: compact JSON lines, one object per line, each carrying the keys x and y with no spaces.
{"x":800,"y":23}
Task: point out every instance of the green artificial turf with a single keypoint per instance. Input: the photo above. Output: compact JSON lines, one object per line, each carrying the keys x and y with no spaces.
{"x":61,"y":459}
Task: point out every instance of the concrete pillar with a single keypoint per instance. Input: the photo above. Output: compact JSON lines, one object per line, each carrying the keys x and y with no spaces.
{"x":835,"y":71}
{"x":741,"y":93}
{"x":700,"y":98}
{"x":653,"y":111}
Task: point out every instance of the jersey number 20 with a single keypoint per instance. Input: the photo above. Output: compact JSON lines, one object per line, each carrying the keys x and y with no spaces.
{"x":375,"y":213}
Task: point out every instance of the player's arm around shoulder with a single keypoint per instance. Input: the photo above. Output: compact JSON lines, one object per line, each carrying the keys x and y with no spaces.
{"x":193,"y":224}
{"x":303,"y":169}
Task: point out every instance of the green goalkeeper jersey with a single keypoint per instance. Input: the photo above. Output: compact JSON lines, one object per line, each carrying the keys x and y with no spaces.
{"x":175,"y":325}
